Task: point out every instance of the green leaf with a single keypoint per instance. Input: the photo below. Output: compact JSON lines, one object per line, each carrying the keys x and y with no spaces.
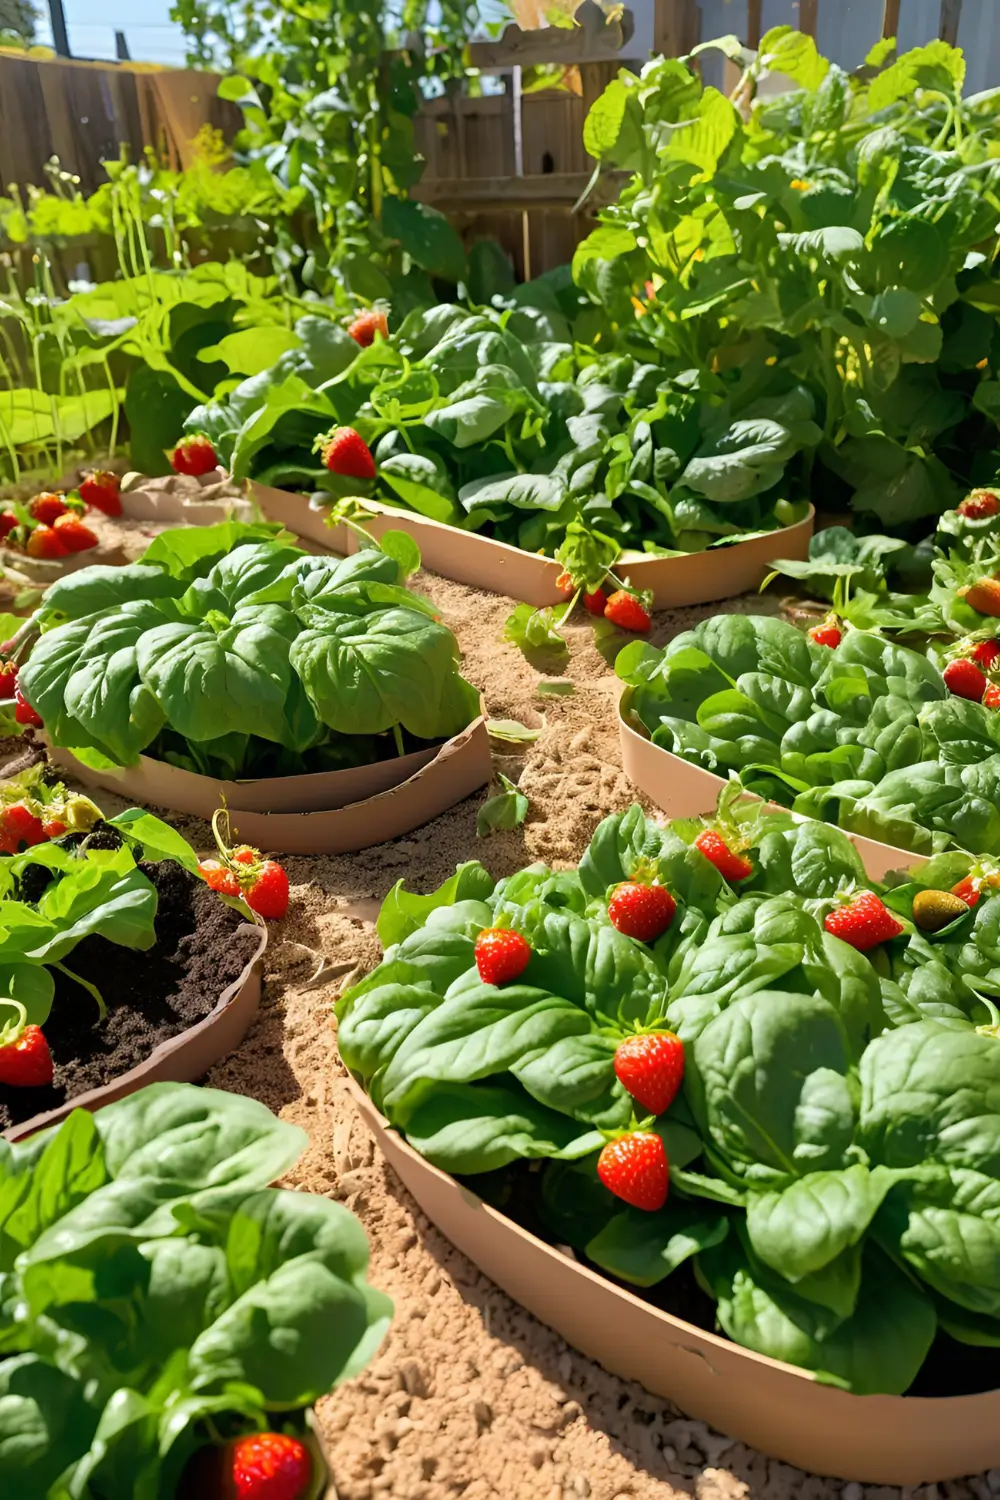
{"x":535,"y":630}
{"x":644,"y":1248}
{"x":426,"y":237}
{"x":784,"y":50}
{"x":507,"y":810}
{"x":704,"y":142}
{"x":251,"y":350}
{"x":512,"y":731}
{"x":936,"y":66}
{"x":403,"y":912}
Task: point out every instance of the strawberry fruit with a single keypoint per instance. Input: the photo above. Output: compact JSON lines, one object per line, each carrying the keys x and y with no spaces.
{"x":8,"y":522}
{"x":650,"y":1067}
{"x":730,"y":865}
{"x":366,"y":325}
{"x":102,"y":490}
{"x":985,"y":653}
{"x":46,"y":543}
{"x":979,"y":506}
{"x":565,"y":585}
{"x":963,"y":678}
{"x":641,"y":911}
{"x":828,"y":632}
{"x":628,"y":612}
{"x":218,"y":877}
{"x":634,"y":1167}
{"x":346,"y":452}
{"x":864,"y":921}
{"x":24,"y":713}
{"x":596,"y":603}
{"x":8,"y":679}
{"x":47,"y":508}
{"x":194,"y":455}
{"x":74,"y":535}
{"x":501,"y":955}
{"x":982,"y":596}
{"x":991,"y":697}
{"x":266,"y":1466}
{"x":266,"y":891}
{"x":19,"y":828}
{"x":25,"y":1059}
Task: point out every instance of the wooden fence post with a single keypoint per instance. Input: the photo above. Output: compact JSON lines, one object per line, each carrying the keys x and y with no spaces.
{"x":676,"y":27}
{"x":890,"y":18}
{"x":807,"y":16}
{"x":951,"y":11}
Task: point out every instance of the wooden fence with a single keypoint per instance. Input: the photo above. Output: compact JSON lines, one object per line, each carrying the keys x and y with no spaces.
{"x":509,"y":164}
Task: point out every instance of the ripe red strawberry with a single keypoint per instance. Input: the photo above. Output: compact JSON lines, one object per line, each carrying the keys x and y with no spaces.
{"x":102,"y":490}
{"x":864,"y":922}
{"x":47,"y":508}
{"x":8,"y":679}
{"x":74,"y":535}
{"x":8,"y":521}
{"x":366,"y":325}
{"x":991,"y":697}
{"x":24,"y":713}
{"x":218,"y":877}
{"x":634,"y":1167}
{"x":985,"y":653}
{"x":963,"y":678}
{"x":54,"y":828}
{"x":267,"y":891}
{"x":983,"y":595}
{"x":266,"y":1466}
{"x":45,"y":542}
{"x":641,"y":911}
{"x":194,"y":455}
{"x":650,"y":1067}
{"x":627,"y":611}
{"x":565,"y":585}
{"x":595,"y":603}
{"x":979,"y":506}
{"x":347,"y":453}
{"x":827,"y":632}
{"x":967,"y":889}
{"x":19,"y":828}
{"x":501,"y":955}
{"x":25,"y":1060}
{"x":730,"y":865}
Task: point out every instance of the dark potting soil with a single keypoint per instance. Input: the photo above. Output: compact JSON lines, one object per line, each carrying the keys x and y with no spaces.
{"x":150,"y":996}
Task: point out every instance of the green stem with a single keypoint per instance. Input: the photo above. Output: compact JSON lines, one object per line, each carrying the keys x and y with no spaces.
{"x":85,"y":984}
{"x":397,"y":735}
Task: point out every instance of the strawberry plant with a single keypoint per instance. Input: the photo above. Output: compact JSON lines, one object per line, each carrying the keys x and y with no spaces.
{"x":245,"y":1303}
{"x":783,"y":1107}
{"x":230,"y":652}
{"x":867,"y":734}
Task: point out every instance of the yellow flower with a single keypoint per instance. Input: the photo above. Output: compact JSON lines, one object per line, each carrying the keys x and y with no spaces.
{"x":800,"y":185}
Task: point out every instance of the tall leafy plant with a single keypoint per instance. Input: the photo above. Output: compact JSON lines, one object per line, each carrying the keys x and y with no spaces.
{"x":841,"y":236}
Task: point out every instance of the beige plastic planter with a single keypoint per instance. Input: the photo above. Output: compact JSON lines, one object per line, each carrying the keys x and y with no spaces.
{"x":698,"y":578}
{"x":180,"y":1059}
{"x":685,"y":791}
{"x":183,"y":500}
{"x":775,"y":1407}
{"x":329,"y":812}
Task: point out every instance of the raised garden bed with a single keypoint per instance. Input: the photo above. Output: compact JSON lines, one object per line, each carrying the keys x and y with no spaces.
{"x":485,"y":563}
{"x":318,"y":697}
{"x":792,"y":1221}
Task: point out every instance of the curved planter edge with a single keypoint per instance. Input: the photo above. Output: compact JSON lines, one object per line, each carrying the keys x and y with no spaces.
{"x":350,"y":810}
{"x":180,"y":1059}
{"x":777,"y":1408}
{"x":683,"y":790}
{"x":498,"y":568}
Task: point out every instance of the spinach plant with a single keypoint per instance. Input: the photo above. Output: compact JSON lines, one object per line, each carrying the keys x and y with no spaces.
{"x":865,"y":735}
{"x":830,"y":1172}
{"x":835,"y":244}
{"x":159,"y":1295}
{"x":228,"y":651}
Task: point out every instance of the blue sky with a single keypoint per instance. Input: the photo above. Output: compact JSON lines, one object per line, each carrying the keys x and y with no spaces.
{"x":150,"y":34}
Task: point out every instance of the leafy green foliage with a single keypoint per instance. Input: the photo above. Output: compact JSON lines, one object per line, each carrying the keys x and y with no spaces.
{"x":840,"y":242}
{"x":865,"y":735}
{"x":831,"y":1172}
{"x":244,"y":1303}
{"x":507,"y":809}
{"x":228,"y":652}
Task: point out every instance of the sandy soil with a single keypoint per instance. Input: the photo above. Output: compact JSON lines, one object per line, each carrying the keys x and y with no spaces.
{"x":470,"y":1396}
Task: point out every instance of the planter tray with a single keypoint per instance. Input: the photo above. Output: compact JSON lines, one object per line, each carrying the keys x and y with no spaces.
{"x":685,"y":791}
{"x":782,"y":1410}
{"x":182,"y":500}
{"x":327,"y":812}
{"x":498,"y":568}
{"x":180,"y":1059}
